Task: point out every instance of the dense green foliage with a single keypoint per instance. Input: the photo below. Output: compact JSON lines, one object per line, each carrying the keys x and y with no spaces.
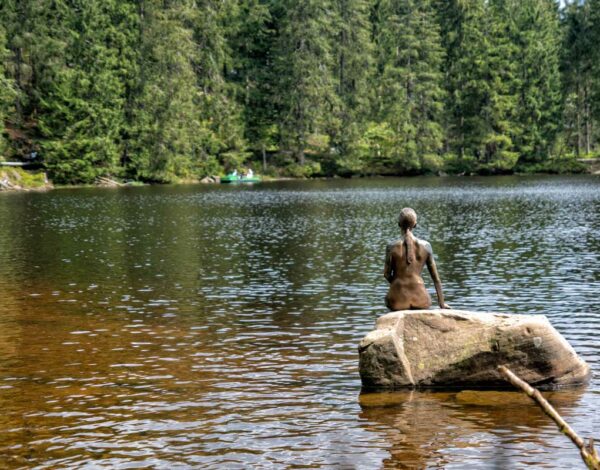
{"x":7,"y":92}
{"x":409,"y":82}
{"x":158,"y":90}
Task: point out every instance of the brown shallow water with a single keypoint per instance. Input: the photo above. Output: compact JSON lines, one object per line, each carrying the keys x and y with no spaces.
{"x":197,"y":327}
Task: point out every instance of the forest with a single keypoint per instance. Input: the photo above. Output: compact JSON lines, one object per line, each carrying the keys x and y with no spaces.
{"x":174,"y":90}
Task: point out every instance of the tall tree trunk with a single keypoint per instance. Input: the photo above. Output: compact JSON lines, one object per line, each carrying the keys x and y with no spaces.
{"x":579,"y":110}
{"x":588,"y":120}
{"x":18,"y":78}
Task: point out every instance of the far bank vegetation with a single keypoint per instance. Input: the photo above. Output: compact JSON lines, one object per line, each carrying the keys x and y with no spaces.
{"x":156,"y":91}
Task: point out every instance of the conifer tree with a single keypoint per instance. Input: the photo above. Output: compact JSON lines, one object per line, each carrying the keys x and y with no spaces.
{"x":7,"y":91}
{"x":353,"y":74}
{"x":81,"y":111}
{"x":410,"y":93}
{"x":460,"y":34}
{"x":536,"y":32}
{"x":251,"y":42}
{"x":185,"y":121}
{"x":35,"y":55}
{"x":303,"y":66}
{"x":215,"y":23}
{"x":578,"y":76}
{"x":166,"y":133}
{"x":481,"y":83}
{"x":594,"y":131}
{"x":581,"y":69}
{"x":497,"y":151}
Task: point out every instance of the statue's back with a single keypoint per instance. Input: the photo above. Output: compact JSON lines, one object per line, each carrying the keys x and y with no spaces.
{"x":407,"y":289}
{"x":404,"y":262}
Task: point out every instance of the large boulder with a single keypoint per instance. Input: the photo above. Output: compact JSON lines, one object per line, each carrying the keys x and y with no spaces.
{"x":454,"y":348}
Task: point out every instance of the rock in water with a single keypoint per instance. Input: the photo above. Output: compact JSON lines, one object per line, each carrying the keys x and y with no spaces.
{"x":454,"y":348}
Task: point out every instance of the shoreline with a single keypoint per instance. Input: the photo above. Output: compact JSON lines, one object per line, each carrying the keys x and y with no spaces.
{"x":14,"y":179}
{"x":42,"y":183}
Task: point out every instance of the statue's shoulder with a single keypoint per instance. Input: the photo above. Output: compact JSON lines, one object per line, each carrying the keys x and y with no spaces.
{"x":425,"y":244}
{"x":390,"y":247}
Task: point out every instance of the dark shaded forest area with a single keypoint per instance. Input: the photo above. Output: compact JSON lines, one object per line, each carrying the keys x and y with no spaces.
{"x":171,"y":90}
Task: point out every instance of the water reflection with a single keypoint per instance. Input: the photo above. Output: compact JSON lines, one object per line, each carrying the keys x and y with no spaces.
{"x":468,"y":428}
{"x":178,"y":327}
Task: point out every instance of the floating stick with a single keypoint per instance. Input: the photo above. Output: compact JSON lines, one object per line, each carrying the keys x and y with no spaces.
{"x":589,"y":455}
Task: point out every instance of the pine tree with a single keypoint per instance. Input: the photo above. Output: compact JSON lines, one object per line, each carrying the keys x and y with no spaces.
{"x":166,"y":133}
{"x":581,"y":70}
{"x":410,"y":93}
{"x":215,"y":24}
{"x":460,"y":35}
{"x":578,"y":76}
{"x":303,"y":66}
{"x":7,"y":91}
{"x":497,"y":150}
{"x":536,"y":31}
{"x":81,"y":110}
{"x":481,"y":84}
{"x":35,"y":55}
{"x":595,"y":109}
{"x":251,"y":43}
{"x":353,"y":52}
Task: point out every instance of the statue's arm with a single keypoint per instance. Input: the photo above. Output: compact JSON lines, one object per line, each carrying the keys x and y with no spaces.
{"x":436,"y":277}
{"x":388,"y":272}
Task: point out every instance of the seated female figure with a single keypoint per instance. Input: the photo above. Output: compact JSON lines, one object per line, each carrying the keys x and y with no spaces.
{"x":404,"y":262}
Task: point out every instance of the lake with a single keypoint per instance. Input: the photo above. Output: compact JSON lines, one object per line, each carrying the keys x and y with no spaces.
{"x":217,"y":326}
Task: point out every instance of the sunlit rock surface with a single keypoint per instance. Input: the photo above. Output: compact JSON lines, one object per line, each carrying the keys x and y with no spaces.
{"x":454,"y":348}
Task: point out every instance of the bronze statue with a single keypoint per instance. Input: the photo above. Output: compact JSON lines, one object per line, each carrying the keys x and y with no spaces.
{"x":404,"y":261}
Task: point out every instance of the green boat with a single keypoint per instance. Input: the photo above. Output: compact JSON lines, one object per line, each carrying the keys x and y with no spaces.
{"x":233,"y":178}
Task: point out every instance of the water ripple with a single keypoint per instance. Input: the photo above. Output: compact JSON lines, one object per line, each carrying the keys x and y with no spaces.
{"x":178,"y":327}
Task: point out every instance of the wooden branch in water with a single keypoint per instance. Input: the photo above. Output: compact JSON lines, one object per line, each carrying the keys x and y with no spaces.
{"x":588,"y":454}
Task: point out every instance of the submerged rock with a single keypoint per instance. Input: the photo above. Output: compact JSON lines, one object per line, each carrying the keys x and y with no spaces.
{"x":454,"y":348}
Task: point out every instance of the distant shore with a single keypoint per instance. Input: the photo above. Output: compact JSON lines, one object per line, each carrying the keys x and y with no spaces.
{"x":18,"y":179}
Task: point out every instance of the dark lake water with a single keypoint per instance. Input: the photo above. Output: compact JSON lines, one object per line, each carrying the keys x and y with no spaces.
{"x":217,"y":327}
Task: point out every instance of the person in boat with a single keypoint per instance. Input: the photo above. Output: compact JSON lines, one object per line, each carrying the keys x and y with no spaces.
{"x":404,"y":262}
{"x":250,"y":173}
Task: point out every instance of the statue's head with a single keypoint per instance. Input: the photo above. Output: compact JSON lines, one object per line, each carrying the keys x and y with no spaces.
{"x":407,"y":219}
